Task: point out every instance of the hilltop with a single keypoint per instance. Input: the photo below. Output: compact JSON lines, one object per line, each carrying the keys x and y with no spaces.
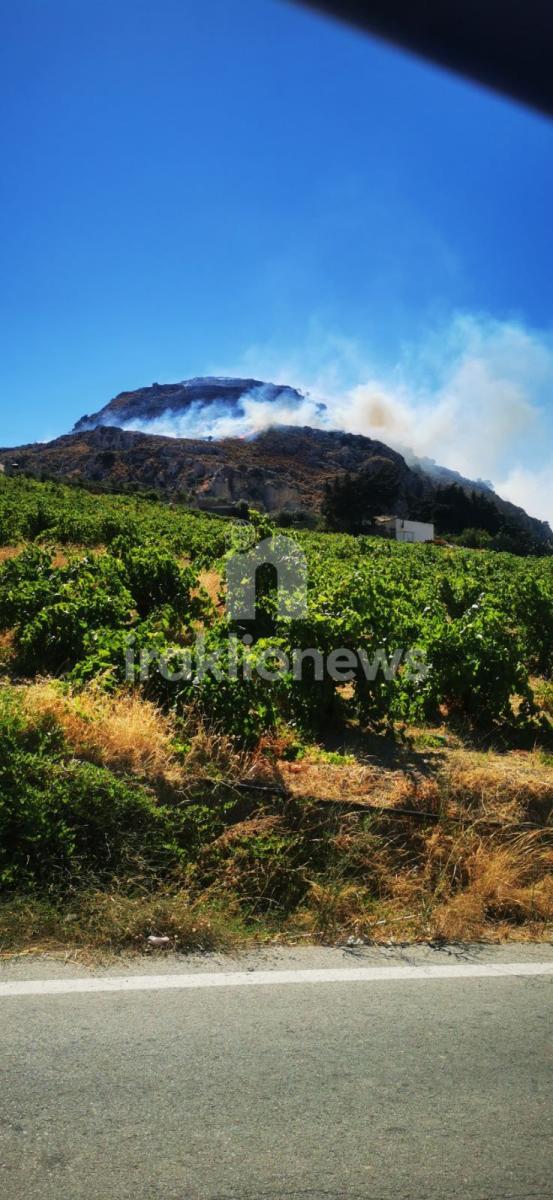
{"x":200,"y":395}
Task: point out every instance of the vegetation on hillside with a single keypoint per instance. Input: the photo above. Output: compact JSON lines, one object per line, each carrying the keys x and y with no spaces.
{"x":469,"y":517}
{"x":132,"y":801}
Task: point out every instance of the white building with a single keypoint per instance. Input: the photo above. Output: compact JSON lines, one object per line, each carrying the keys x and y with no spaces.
{"x":405,"y":531}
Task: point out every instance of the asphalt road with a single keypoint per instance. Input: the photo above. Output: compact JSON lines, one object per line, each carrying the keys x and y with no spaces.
{"x":416,"y":1088}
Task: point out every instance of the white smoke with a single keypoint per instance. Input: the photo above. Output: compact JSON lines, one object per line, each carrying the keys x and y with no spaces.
{"x":473,"y":398}
{"x":532,"y":490}
{"x":255,"y":413}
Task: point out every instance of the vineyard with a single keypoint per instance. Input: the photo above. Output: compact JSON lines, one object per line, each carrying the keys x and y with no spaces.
{"x":120,"y":769}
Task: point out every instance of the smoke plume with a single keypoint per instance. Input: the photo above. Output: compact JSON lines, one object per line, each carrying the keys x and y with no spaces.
{"x":476,"y":397}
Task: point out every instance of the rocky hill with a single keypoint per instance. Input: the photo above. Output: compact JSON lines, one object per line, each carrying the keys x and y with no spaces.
{"x":282,"y":468}
{"x":201,"y":397}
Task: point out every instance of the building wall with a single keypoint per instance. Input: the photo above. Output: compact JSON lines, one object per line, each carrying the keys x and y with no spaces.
{"x":413,"y":531}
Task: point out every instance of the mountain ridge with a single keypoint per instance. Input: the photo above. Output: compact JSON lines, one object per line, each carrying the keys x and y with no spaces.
{"x":283,"y":467}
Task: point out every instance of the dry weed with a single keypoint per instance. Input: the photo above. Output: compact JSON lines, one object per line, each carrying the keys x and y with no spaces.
{"x":508,"y":883}
{"x":123,"y":732}
{"x":357,"y":781}
{"x":111,"y":922}
{"x":7,"y":552}
{"x":510,"y":787}
{"x":211,"y":582}
{"x":127,"y":733}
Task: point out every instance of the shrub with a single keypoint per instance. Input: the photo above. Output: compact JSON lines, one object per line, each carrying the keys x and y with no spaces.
{"x":54,"y":619}
{"x":66,"y":824}
{"x":154,"y":579}
{"x":475,"y":666}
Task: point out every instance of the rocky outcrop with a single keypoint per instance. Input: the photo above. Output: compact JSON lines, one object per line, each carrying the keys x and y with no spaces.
{"x":169,"y":400}
{"x":283,"y":468}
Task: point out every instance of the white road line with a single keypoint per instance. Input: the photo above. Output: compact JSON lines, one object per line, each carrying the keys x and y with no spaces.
{"x":234,"y":979}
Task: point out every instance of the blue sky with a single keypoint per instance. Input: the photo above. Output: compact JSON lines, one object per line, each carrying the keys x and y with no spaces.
{"x":192,"y":188}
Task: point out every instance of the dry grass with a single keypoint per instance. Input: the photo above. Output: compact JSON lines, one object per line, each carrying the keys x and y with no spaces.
{"x":7,"y":640}
{"x":98,"y":921}
{"x":129,"y":734}
{"x":293,"y":868}
{"x":507,"y":886}
{"x":453,"y":886}
{"x":543,"y":695}
{"x":211,"y":582}
{"x":7,"y":552}
{"x":60,"y":558}
{"x":513,"y":787}
{"x":211,"y":754}
{"x":122,"y":732}
{"x":385,"y":885}
{"x":358,"y":782}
